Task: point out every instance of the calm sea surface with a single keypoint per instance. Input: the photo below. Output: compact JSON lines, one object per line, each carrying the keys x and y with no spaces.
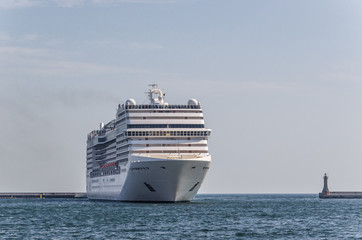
{"x":207,"y":217}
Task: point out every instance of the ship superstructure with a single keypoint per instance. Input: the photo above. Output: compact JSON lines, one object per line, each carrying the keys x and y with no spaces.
{"x":149,"y":152}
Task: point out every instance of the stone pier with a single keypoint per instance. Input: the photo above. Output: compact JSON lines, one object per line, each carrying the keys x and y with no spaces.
{"x":327,"y":194}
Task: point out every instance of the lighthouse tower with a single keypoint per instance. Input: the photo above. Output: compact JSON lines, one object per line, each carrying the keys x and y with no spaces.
{"x":325,"y":190}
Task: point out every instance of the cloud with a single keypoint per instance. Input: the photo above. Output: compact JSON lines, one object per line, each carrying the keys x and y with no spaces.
{"x":345,"y":77}
{"x":33,"y":62}
{"x":11,"y":51}
{"x":45,"y":63}
{"x":74,"y":68}
{"x":233,"y":87}
{"x":149,"y":46}
{"x":135,"y":1}
{"x":16,"y":40}
{"x":11,"y":4}
{"x":347,"y":73}
{"x":31,"y":37}
{"x":124,"y":45}
{"x":4,"y":36}
{"x":70,"y":3}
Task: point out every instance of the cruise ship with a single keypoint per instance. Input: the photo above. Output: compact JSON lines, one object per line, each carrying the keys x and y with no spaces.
{"x":155,"y":152}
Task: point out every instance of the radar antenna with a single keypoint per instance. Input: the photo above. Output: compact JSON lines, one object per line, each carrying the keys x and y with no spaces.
{"x":156,"y":95}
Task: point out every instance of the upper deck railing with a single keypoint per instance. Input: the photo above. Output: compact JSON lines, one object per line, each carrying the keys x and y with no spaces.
{"x":104,"y":128}
{"x":165,"y":106}
{"x":156,"y":101}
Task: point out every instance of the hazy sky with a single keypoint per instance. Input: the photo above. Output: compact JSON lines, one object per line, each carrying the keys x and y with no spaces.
{"x":280,"y":83}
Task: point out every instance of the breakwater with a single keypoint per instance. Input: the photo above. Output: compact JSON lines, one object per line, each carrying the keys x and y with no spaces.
{"x":43,"y":195}
{"x":341,"y":195}
{"x":327,"y":194}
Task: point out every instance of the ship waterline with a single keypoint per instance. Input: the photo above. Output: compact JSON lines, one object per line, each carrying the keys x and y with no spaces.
{"x":157,"y":180}
{"x":152,"y":152}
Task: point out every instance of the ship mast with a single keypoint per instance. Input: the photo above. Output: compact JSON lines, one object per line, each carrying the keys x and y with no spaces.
{"x":156,"y":95}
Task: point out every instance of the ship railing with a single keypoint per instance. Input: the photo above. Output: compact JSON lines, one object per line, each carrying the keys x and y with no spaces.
{"x":99,"y":152}
{"x":96,"y":133}
{"x":164,"y":106}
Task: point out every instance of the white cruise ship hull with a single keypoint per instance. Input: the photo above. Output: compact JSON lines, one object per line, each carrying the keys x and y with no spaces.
{"x":153,"y":180}
{"x":155,"y":152}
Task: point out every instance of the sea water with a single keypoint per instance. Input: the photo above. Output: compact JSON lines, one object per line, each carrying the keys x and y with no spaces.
{"x":206,"y":217}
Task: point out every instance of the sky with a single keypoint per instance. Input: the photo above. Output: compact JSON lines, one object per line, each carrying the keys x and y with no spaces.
{"x":280,"y":83}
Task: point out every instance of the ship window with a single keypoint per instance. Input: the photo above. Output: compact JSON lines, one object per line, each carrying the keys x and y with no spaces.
{"x":165,"y":126}
{"x":165,"y":133}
